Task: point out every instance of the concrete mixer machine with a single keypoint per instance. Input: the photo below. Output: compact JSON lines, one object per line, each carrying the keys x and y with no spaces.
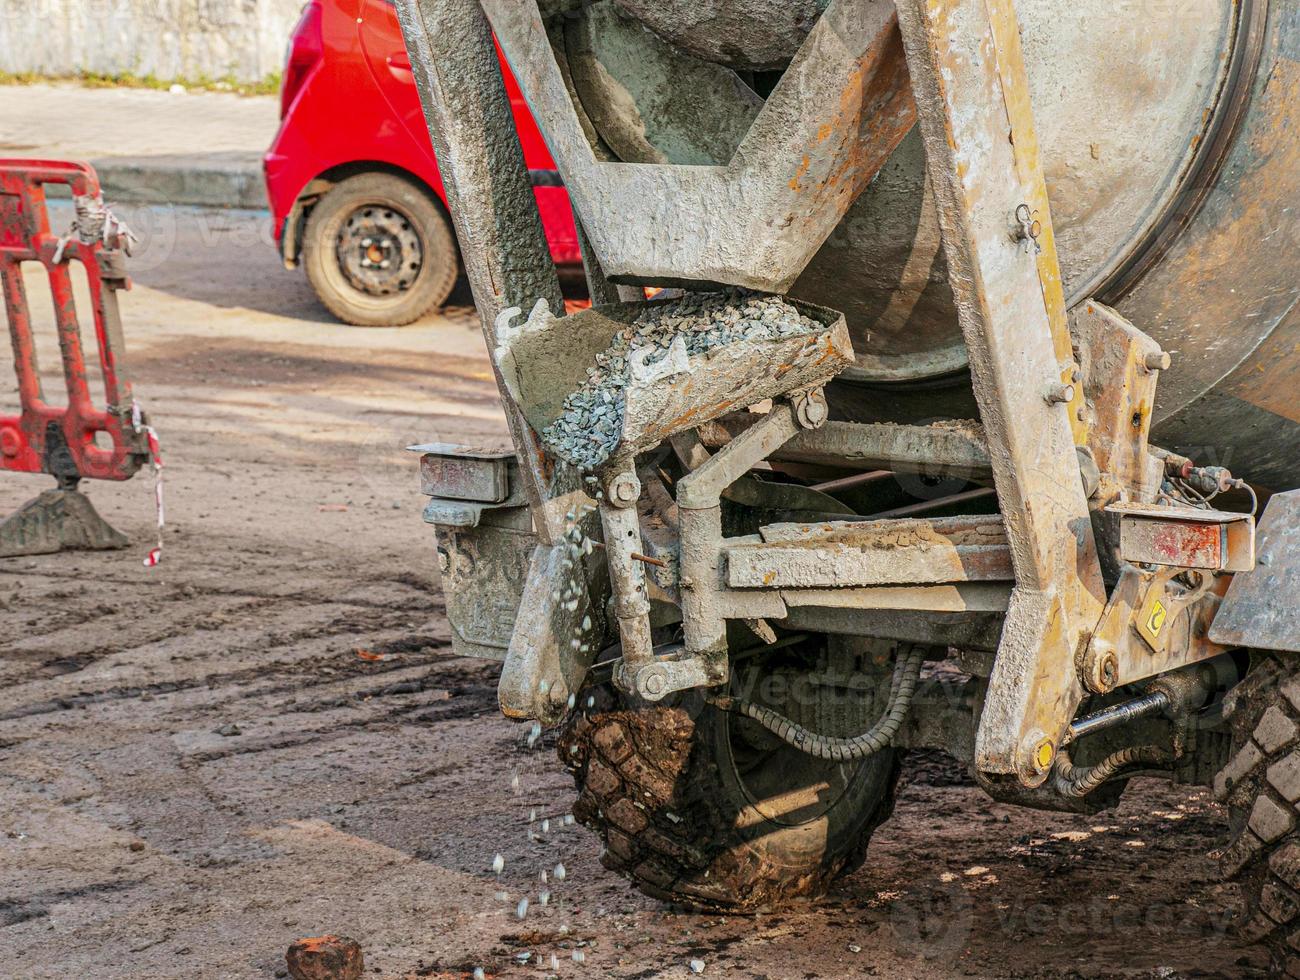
{"x":974,"y":357}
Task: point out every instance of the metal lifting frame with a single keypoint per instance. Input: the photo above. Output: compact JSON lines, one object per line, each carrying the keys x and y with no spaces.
{"x":973,"y":105}
{"x":972,"y":101}
{"x":508,"y":263}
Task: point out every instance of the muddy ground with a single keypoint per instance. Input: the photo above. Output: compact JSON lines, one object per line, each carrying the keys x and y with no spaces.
{"x":267,"y":736}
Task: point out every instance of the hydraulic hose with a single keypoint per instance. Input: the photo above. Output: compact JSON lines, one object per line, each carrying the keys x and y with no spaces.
{"x":1078,"y":781}
{"x":902,"y":689}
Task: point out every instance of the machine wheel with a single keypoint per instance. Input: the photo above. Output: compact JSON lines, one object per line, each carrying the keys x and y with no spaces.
{"x":1261,"y":784}
{"x":379,"y":251}
{"x":706,"y":810}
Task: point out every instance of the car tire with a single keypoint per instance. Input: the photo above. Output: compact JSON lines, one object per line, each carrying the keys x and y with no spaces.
{"x":692,"y":822}
{"x":419,"y":245}
{"x":1261,"y":786}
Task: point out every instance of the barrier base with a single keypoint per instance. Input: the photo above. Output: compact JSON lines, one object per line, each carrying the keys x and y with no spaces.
{"x":57,"y":520}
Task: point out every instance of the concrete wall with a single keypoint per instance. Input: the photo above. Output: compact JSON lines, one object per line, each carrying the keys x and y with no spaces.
{"x":167,"y":38}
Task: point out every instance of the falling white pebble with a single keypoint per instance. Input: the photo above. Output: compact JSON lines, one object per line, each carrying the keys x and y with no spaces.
{"x":573,"y":750}
{"x":543,"y":686}
{"x":514,"y":782}
{"x":559,"y":872}
{"x":573,"y":699}
{"x":544,"y":898}
{"x":555,"y":962}
{"x":532,"y":815}
{"x":546,"y":826}
{"x":536,"y":730}
{"x":586,"y":623}
{"x":546,"y":876}
{"x":498,"y":864}
{"x":854,"y":948}
{"x":579,"y":956}
{"x":591,"y":702}
{"x":568,"y":820}
{"x":697,"y":966}
{"x":522,"y":909}
{"x":502,"y":896}
{"x":479,"y":974}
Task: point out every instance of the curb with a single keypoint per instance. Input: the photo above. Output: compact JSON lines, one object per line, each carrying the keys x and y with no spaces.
{"x":220,"y":180}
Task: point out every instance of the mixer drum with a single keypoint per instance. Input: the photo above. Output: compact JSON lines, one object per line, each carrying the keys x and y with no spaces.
{"x":1170,"y":136}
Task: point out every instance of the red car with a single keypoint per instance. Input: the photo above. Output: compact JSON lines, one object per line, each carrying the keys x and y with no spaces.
{"x":352,"y":179}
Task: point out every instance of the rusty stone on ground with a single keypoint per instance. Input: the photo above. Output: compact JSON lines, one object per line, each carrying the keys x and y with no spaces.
{"x":325,"y":958}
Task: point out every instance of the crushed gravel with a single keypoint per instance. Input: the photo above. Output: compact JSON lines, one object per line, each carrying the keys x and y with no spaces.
{"x":588,"y":431}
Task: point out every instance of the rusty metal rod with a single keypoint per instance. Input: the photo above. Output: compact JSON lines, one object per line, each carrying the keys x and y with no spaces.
{"x":850,"y":482}
{"x":925,"y":506}
{"x":658,"y":562}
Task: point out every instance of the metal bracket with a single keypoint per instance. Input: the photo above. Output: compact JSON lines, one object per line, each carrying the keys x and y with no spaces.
{"x":1152,"y":624}
{"x":674,"y":671}
{"x":1260,"y":609}
{"x":837,"y":114}
{"x":1185,"y":537}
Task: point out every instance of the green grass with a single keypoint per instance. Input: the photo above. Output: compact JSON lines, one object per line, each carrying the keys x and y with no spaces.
{"x":269,"y":85}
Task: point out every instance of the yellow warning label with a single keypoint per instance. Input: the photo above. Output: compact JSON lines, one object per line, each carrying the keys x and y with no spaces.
{"x":1157,"y":618}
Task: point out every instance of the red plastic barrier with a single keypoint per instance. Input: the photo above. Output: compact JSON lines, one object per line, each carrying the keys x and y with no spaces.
{"x":46,"y":438}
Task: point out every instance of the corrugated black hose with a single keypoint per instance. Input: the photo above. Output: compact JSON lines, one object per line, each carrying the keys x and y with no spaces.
{"x":902,"y":689}
{"x":1078,"y":781}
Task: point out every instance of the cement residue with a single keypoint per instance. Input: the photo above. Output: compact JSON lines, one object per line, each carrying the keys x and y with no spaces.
{"x":591,"y":426}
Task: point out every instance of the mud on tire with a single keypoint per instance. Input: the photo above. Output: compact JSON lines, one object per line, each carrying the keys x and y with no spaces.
{"x":699,"y":810}
{"x":1261,"y":785}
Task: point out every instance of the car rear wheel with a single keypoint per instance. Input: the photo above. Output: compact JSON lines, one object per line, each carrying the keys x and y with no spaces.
{"x":379,"y":251}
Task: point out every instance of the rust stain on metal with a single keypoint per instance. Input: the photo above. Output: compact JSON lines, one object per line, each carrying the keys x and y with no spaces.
{"x":1186,"y":544}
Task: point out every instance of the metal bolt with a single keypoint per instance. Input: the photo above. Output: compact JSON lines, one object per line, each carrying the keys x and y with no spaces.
{"x":1044,"y":754}
{"x":1037,"y":753}
{"x":1159,"y":361}
{"x":811,"y":409}
{"x":655,"y":683}
{"x":1028,"y":229}
{"x":1101,"y":668}
{"x":625,"y":490}
{"x":1059,"y":393}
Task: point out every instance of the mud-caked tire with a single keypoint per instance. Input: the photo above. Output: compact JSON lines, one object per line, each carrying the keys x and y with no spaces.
{"x":1261,"y":787}
{"x":702,"y":810}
